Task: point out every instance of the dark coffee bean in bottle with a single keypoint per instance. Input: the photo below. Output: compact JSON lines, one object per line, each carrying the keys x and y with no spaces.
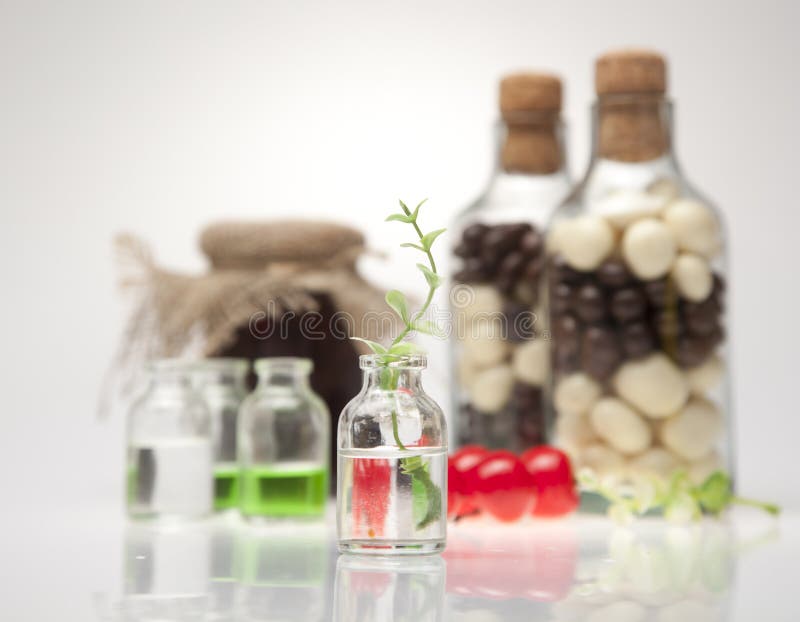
{"x":700,"y":324}
{"x":628,"y":304}
{"x":600,"y":352}
{"x":563,"y":273}
{"x":533,"y":269}
{"x":692,"y":351}
{"x":463,"y":250}
{"x":657,"y":292}
{"x":590,"y":304}
{"x":562,"y":299}
{"x":530,"y":429}
{"x":473,"y":235}
{"x":503,"y":238}
{"x":512,"y":264}
{"x":613,"y":273}
{"x":531,"y":244}
{"x":567,"y":334}
{"x":637,"y":340}
{"x":490,"y":259}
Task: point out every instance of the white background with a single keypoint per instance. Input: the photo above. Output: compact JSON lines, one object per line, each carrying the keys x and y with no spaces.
{"x":158,"y":117}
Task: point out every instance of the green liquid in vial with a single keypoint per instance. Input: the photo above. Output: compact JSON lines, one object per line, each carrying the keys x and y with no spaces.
{"x":226,"y":487}
{"x":297,"y":491}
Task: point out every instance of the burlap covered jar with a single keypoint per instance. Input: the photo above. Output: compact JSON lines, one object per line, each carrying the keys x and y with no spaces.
{"x":276,"y":288}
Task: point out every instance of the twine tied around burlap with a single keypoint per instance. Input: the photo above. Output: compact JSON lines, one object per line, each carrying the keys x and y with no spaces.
{"x":258,"y":270}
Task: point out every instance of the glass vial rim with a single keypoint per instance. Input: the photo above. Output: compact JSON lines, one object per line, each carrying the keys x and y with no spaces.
{"x":406,"y":361}
{"x":285,"y":364}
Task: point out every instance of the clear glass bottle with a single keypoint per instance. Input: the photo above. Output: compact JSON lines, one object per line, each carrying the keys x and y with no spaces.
{"x":284,"y":429}
{"x":499,"y":350}
{"x":392,"y":463}
{"x":169,"y":447}
{"x":636,"y":275}
{"x":221,"y":382}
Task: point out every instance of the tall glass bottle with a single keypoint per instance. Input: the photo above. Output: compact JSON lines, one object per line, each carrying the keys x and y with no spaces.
{"x":392,"y":471}
{"x":221,"y":382}
{"x":169,"y":447}
{"x":636,"y":275}
{"x":499,"y":349}
{"x":283,"y":444}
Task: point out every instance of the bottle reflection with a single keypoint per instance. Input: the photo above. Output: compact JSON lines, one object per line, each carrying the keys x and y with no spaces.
{"x":654,"y":572}
{"x":166,"y":572}
{"x":389,"y":590}
{"x":283,"y":573}
{"x":225,"y":562}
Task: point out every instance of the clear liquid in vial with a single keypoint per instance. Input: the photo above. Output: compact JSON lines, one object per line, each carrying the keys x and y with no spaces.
{"x":170,"y":478}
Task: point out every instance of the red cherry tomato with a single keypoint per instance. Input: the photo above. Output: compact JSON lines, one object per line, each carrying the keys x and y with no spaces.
{"x":463,"y":461}
{"x":553,"y":483}
{"x":504,"y":486}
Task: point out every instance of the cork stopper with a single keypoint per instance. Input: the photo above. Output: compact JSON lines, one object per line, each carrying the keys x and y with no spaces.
{"x":530,"y":104}
{"x":630,"y":71}
{"x":630,"y":85}
{"x":529,"y":92}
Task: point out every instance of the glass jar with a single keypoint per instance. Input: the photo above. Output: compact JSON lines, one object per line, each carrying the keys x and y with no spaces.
{"x":499,"y":353}
{"x":392,"y":471}
{"x":283,"y":437}
{"x":636,"y":275}
{"x":221,"y":382}
{"x":169,"y":447}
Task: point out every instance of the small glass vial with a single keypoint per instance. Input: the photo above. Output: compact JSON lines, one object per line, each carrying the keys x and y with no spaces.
{"x":221,"y":382}
{"x":169,"y":447}
{"x":284,"y":432}
{"x":392,"y":463}
{"x":500,"y":350}
{"x":637,"y":282}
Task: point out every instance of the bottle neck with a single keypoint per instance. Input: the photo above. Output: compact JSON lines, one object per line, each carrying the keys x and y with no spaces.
{"x":222,"y":383}
{"x":283,"y":378}
{"x":632,"y":128}
{"x":404,"y":379}
{"x":531,"y":144}
{"x":170,"y":381}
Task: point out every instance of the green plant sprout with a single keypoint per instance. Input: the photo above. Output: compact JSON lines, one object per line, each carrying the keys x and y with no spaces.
{"x":678,"y":499}
{"x":427,"y":495}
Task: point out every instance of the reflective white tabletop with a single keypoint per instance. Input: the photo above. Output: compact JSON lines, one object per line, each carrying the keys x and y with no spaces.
{"x":92,"y":565}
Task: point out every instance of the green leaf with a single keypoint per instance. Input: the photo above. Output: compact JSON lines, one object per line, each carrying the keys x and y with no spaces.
{"x":714,"y":494}
{"x":412,"y":245}
{"x":416,"y":209}
{"x":405,"y":209}
{"x":373,"y":345}
{"x":428,"y":328}
{"x":400,"y":218}
{"x":397,"y":301}
{"x":429,"y":238}
{"x":404,"y":348}
{"x":433,"y":279}
{"x":419,"y":500}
